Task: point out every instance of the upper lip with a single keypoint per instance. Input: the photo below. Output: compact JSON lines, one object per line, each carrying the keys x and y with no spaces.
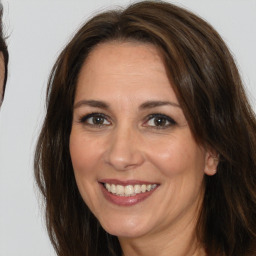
{"x":126,"y":182}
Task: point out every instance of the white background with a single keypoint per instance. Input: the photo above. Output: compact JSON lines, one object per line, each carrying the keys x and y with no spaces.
{"x":38,"y":30}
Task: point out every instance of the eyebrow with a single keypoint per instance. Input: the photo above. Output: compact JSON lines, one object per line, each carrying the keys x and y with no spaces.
{"x":104,"y":105}
{"x":153,"y":104}
{"x":92,"y":103}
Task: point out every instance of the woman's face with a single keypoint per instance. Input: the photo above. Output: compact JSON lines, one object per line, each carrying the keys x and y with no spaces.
{"x":136,"y":163}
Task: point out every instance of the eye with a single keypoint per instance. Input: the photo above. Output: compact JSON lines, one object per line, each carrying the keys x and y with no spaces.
{"x":159,"y":121}
{"x":95,"y":119}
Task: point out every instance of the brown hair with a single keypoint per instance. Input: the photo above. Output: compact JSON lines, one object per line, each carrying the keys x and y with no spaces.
{"x":3,"y":49}
{"x":209,"y":89}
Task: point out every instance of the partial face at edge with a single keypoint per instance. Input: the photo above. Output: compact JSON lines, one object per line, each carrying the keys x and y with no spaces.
{"x":2,"y":74}
{"x":130,"y":135}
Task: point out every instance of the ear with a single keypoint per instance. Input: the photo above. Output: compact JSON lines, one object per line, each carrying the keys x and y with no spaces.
{"x":211,"y":162}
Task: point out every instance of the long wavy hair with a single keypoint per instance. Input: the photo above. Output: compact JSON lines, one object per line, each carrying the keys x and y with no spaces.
{"x":209,"y":89}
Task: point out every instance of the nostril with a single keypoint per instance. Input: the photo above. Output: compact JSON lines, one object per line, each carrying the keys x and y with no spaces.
{"x":123,"y":152}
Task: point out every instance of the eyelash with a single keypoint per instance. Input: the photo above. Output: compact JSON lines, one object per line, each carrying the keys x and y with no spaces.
{"x":84,"y":119}
{"x":166,"y":119}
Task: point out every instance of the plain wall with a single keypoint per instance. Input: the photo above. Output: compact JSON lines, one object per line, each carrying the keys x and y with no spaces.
{"x":38,"y":30}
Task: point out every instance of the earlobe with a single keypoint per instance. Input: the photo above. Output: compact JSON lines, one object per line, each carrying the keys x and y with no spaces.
{"x":210,"y":172}
{"x":211,"y":163}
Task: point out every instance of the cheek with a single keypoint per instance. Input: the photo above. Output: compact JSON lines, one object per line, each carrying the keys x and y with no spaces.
{"x":84,"y":152}
{"x":85,"y":156}
{"x":178,"y":155}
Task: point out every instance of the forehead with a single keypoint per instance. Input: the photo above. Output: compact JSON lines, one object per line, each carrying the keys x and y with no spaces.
{"x":123,"y":66}
{"x":116,"y":56}
{"x":143,"y":51}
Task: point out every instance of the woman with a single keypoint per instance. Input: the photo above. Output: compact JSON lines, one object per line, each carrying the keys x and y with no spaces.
{"x":3,"y":59}
{"x":148,"y":145}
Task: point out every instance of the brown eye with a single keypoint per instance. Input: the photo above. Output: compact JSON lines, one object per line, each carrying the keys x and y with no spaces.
{"x":159,"y":121}
{"x":95,"y":119}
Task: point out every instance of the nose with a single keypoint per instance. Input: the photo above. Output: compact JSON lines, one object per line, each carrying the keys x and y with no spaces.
{"x":124,"y":151}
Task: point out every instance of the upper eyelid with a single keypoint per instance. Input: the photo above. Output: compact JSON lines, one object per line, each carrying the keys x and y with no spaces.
{"x":160,"y":115}
{"x":94,"y":114}
{"x":84,"y":117}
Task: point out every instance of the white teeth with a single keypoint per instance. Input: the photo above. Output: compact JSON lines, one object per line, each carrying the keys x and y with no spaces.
{"x":137,"y":189}
{"x":108,"y":186}
{"x":113,"y":189}
{"x":120,"y":190}
{"x":143,"y":188}
{"x":129,"y":190}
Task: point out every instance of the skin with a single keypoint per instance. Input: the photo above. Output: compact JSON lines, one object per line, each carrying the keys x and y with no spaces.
{"x":128,"y":145}
{"x":2,"y":72}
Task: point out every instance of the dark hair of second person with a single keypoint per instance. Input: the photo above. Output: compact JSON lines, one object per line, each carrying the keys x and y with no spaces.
{"x":4,"y":57}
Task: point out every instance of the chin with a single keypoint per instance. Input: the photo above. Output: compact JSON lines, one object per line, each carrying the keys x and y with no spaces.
{"x":129,"y":228}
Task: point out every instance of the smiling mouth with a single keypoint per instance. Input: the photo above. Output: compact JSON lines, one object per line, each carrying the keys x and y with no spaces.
{"x":129,"y":190}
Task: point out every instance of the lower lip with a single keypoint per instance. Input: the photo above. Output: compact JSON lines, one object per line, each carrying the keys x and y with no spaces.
{"x":126,"y":200}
